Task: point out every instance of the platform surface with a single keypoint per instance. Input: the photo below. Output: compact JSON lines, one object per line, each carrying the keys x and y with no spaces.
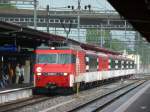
{"x":142,"y":104}
{"x":15,"y":86}
{"x":137,"y":100}
{"x":15,"y":92}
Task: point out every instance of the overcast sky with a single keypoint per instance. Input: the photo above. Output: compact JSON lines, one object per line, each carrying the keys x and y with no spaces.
{"x":95,"y":4}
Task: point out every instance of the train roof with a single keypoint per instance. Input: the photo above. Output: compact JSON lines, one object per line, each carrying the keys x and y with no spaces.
{"x":119,"y":57}
{"x":98,"y":49}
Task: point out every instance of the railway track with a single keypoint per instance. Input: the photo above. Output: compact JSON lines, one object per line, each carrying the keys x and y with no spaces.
{"x":11,"y":106}
{"x":101,"y":102}
{"x":86,"y":105}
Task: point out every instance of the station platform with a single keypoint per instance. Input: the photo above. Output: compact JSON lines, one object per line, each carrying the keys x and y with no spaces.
{"x":15,"y":92}
{"x":137,"y":100}
{"x":140,"y":102}
{"x":15,"y":86}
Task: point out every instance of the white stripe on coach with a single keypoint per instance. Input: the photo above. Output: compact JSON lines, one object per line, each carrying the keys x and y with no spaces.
{"x":87,"y":59}
{"x":87,"y":67}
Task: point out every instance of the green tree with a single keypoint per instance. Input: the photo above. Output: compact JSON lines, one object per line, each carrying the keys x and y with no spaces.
{"x":7,"y":6}
{"x":115,"y":45}
{"x":142,"y":48}
{"x":94,"y":36}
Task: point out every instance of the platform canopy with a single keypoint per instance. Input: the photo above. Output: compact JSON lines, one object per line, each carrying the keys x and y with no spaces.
{"x":26,"y":37}
{"x":31,"y":38}
{"x":137,"y":12}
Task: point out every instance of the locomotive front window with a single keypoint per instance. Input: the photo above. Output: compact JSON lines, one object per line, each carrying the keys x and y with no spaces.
{"x":56,"y":58}
{"x":64,"y":58}
{"x":46,"y":58}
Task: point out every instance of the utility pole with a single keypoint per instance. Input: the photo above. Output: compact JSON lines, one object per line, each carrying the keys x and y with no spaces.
{"x":47,"y":10}
{"x":78,"y":63}
{"x":101,"y":36}
{"x":125,"y":45}
{"x":35,"y":14}
{"x":78,"y":27}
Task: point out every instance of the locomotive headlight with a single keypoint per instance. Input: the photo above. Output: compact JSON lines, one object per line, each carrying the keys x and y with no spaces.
{"x":65,"y":74}
{"x":52,"y":48}
{"x":38,"y":69}
{"x":39,"y":73}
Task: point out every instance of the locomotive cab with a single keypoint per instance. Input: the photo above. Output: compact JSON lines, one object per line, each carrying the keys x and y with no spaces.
{"x":54,"y":67}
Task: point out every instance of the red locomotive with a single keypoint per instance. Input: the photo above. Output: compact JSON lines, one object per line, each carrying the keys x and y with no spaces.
{"x":63,"y":67}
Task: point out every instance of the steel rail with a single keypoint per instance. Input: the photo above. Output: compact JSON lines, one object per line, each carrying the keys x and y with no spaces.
{"x":22,"y":103}
{"x":106,"y":103}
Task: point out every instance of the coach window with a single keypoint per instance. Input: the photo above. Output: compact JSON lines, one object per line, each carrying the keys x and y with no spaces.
{"x":122,"y":64}
{"x":16,"y":19}
{"x":56,"y":20}
{"x":41,"y":20}
{"x":11,"y":19}
{"x":125,"y":64}
{"x":92,"y":63}
{"x":112,"y":64}
{"x":31,"y":19}
{"x":119,"y":64}
{"x":6,"y":19}
{"x":51,"y":21}
{"x":130,"y":65}
{"x":21,"y":19}
{"x":116,"y":61}
{"x":116,"y":64}
{"x":26,"y":19}
{"x":133,"y":64}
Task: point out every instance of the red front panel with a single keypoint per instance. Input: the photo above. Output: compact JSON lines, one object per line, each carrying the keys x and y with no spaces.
{"x":59,"y":80}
